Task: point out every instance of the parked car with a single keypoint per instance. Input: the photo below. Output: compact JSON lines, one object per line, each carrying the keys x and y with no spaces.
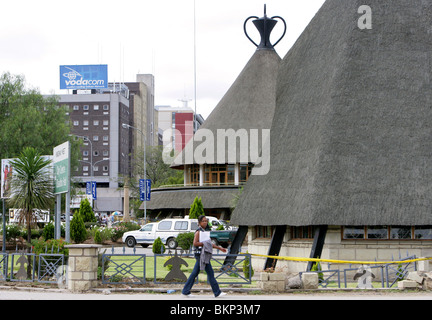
{"x":167,"y":230}
{"x":222,"y":237}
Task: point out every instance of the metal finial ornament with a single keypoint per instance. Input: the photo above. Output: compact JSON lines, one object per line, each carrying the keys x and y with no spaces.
{"x":265,"y":26}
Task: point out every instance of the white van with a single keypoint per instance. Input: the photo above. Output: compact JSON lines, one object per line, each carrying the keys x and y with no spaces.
{"x":167,"y":230}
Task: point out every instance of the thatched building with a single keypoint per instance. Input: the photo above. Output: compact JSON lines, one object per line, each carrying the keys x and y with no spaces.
{"x":214,"y":168}
{"x":351,"y":146}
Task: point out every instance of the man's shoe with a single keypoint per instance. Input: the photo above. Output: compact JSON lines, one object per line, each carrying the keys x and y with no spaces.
{"x":222,"y":294}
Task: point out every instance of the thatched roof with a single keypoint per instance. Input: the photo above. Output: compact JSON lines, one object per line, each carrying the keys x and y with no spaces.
{"x":248,"y":104}
{"x":351,"y":140}
{"x":182,"y":198}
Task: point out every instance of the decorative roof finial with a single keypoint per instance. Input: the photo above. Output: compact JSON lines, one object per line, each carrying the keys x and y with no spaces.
{"x":265,"y":26}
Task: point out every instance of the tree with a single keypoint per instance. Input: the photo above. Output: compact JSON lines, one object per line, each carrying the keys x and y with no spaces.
{"x":78,"y":231}
{"x":28,"y":119}
{"x":32,"y":187}
{"x":197,"y":209}
{"x":86,"y":211}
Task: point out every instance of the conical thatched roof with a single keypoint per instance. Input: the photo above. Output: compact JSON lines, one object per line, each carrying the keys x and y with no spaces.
{"x":248,"y":104}
{"x":351,"y":140}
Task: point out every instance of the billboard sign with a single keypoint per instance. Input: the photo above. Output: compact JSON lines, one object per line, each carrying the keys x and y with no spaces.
{"x":84,"y":76}
{"x":6,"y":177}
{"x":61,"y":160}
{"x":7,"y":171}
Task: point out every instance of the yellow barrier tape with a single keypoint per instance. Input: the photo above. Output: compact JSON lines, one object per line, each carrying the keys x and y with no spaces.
{"x":336,"y":261}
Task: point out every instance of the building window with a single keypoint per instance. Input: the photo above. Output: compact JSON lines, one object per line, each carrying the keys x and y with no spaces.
{"x":423,"y":233}
{"x":96,"y":153}
{"x":76,"y":123}
{"x":245,"y":172}
{"x":85,"y":107}
{"x":194,"y":175}
{"x":105,"y":138}
{"x":106,"y":107}
{"x":302,"y":232}
{"x":219,"y":174}
{"x":95,"y":138}
{"x":85,"y":123}
{"x":75,"y":107}
{"x":105,"y":122}
{"x":263,"y":232}
{"x":387,"y":233}
{"x":377,"y":232}
{"x":354,"y":232}
{"x":85,"y":153}
{"x":85,"y":168}
{"x":96,"y":107}
{"x":96,"y":168}
{"x":105,"y":168}
{"x":401,"y":232}
{"x":95,"y":122}
{"x":105,"y":153}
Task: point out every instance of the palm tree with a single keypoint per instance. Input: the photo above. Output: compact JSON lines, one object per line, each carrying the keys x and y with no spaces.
{"x":32,"y":187}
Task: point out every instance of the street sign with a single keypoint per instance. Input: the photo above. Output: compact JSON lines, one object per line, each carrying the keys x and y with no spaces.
{"x":61,"y":160}
{"x":145,"y":189}
{"x":94,"y":191}
{"x":88,"y":187}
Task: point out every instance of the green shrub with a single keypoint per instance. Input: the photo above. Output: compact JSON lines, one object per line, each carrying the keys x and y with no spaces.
{"x":246,"y":264}
{"x":196,"y":209}
{"x":50,"y":246}
{"x":185,"y":240}
{"x":13,"y":231}
{"x":97,"y":237}
{"x":316,"y":268}
{"x":86,"y":211}
{"x":158,"y":246}
{"x":78,"y":232}
{"x":105,"y":234}
{"x":48,"y":231}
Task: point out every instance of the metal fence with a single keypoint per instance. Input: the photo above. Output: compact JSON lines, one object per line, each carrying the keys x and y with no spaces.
{"x":382,"y":275}
{"x":173,"y":267}
{"x":48,"y":267}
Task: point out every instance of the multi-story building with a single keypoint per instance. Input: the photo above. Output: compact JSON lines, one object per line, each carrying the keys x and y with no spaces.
{"x":181,"y":120}
{"x":96,"y":117}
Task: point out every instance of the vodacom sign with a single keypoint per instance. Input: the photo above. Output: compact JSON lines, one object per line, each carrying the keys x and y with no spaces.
{"x":83,"y":76}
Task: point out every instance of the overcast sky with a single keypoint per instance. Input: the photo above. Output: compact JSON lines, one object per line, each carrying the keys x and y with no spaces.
{"x":142,"y":36}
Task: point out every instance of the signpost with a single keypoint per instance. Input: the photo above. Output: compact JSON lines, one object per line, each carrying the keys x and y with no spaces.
{"x":145,"y":189}
{"x":61,"y":161}
{"x":93,"y":189}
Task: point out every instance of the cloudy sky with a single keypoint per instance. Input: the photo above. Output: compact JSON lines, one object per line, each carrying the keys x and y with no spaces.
{"x":143,"y":36}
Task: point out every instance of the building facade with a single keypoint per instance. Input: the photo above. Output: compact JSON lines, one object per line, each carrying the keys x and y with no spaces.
{"x":351,"y":161}
{"x":108,"y":148}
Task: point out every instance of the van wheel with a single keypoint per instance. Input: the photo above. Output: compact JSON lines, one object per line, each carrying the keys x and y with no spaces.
{"x":130,"y":242}
{"x":171,"y":243}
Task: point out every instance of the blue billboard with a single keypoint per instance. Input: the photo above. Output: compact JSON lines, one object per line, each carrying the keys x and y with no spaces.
{"x":84,"y":76}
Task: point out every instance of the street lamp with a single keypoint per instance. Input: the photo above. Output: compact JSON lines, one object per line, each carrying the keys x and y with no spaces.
{"x":126,"y":126}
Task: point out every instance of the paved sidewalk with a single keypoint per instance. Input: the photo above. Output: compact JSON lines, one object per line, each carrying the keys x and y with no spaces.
{"x":57,"y":294}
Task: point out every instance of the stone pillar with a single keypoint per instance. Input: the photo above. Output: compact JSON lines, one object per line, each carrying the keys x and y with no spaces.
{"x":272,"y":282}
{"x":83,"y":264}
